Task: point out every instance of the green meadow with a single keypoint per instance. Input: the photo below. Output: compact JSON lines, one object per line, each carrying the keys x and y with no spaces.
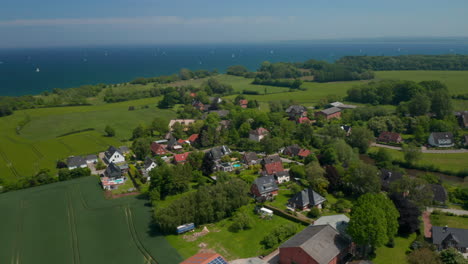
{"x":39,"y":143}
{"x":71,"y":222}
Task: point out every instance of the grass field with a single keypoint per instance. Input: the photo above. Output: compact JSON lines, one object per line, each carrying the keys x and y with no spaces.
{"x":71,"y":222}
{"x":231,"y":245}
{"x":450,"y":221}
{"x":396,"y":255}
{"x":38,"y":145}
{"x":456,"y":81}
{"x":449,"y":162}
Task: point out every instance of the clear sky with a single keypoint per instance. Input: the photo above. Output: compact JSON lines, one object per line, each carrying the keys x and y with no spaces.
{"x":33,"y":23}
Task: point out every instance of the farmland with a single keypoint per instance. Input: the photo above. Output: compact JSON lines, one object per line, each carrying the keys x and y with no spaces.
{"x":39,"y":143}
{"x":71,"y":222}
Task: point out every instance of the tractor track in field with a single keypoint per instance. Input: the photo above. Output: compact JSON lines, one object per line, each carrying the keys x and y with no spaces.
{"x":66,"y":145}
{"x":16,"y":259}
{"x":73,"y":233}
{"x":9,"y":164}
{"x":131,"y":226}
{"x":37,"y":152}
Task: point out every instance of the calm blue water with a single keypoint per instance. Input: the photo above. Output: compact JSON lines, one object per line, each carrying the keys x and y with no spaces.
{"x":71,"y":67}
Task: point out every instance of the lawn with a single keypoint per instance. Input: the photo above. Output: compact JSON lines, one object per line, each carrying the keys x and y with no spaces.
{"x":128,"y":184}
{"x":450,"y":221}
{"x":231,"y":245}
{"x":396,"y":255}
{"x":454,"y":162}
{"x":71,"y":222}
{"x":456,"y":81}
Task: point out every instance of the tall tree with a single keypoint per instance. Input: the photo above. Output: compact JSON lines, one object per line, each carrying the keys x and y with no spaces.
{"x":409,"y":214}
{"x":361,"y":138}
{"x":416,"y":190}
{"x":110,"y":132}
{"x":423,"y":256}
{"x":411,"y":153}
{"x":441,"y":104}
{"x":362,"y":178}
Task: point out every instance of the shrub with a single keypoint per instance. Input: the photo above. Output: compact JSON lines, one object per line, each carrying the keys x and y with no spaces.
{"x":314,"y":213}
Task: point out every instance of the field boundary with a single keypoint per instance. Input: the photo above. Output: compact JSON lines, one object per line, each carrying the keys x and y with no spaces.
{"x":135,"y":238}
{"x":19,"y":230}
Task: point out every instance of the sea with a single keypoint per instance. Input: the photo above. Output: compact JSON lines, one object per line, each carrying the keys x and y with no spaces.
{"x":34,"y":70}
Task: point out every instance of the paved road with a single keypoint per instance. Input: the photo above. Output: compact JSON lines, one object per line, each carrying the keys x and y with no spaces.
{"x":453,"y":211}
{"x":424,"y":149}
{"x":385,"y":146}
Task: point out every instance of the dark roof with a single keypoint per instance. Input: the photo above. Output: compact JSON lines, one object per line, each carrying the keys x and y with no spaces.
{"x":76,"y":161}
{"x":172,"y":142}
{"x":331,"y":110}
{"x":217,"y":153}
{"x":110,"y":152}
{"x":322,"y":243}
{"x":389,"y":136}
{"x":306,"y":197}
{"x":91,"y":157}
{"x":292,"y":150}
{"x":266,"y":184}
{"x":387,"y":177}
{"x":148,"y":162}
{"x":442,"y":136}
{"x":296,"y":109}
{"x":124,"y":149}
{"x":271,"y":159}
{"x":440,"y":194}
{"x":282,"y":173}
{"x":221,"y":113}
{"x":460,"y":235}
{"x":250,"y":156}
{"x":113,"y":171}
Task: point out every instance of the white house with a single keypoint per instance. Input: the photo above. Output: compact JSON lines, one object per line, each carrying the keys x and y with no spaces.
{"x":114,"y":155}
{"x":441,"y":139}
{"x":282,"y":176}
{"x":258,"y":134}
{"x":148,"y":166}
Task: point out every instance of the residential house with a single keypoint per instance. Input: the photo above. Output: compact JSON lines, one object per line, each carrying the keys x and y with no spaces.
{"x":447,"y":237}
{"x":258,"y":134}
{"x":74,"y":162}
{"x":217,"y":153}
{"x":243,"y":103}
{"x":158,"y":149}
{"x":272,"y":164}
{"x":264,"y":188}
{"x":441,"y":139}
{"x":173,"y":144}
{"x":181,"y":158}
{"x":112,"y":177}
{"x":306,"y":199}
{"x":329,"y":113}
{"x":193,"y":139}
{"x":387,"y":177}
{"x":295,"y":150}
{"x":440,"y":194}
{"x":205,"y":258}
{"x":296,"y":111}
{"x":390,"y":137}
{"x":339,"y":222}
{"x":462,"y":118}
{"x":225,"y":166}
{"x":91,"y":158}
{"x":347,"y":129}
{"x":113,"y":155}
{"x":148,"y":165}
{"x":282,"y":176}
{"x":184,"y":122}
{"x":316,"y":244}
{"x":198,"y":105}
{"x":342,"y":106}
{"x":251,"y":158}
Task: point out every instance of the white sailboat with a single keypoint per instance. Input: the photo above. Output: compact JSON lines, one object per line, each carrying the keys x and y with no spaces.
{"x":38,"y":70}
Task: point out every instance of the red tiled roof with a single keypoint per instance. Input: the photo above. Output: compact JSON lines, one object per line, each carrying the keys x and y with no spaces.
{"x":181,"y":141}
{"x":272,"y":168}
{"x":181,"y":157}
{"x":259,"y":131}
{"x":304,"y":152}
{"x":193,"y":94}
{"x":193,"y":138}
{"x":389,"y":136}
{"x":158,"y":148}
{"x":201,"y":258}
{"x":303,"y":120}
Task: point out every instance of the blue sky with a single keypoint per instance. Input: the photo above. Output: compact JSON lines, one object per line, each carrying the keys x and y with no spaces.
{"x":32,"y":23}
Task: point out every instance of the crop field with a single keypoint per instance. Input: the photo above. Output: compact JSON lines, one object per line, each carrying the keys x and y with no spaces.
{"x":71,"y":222}
{"x":39,"y":144}
{"x":456,"y":81}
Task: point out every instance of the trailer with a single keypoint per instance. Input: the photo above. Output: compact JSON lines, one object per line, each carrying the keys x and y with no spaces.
{"x":185,"y":228}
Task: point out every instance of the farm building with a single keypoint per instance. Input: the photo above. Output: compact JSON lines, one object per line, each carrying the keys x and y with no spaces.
{"x":205,"y":258}
{"x":390,"y":137}
{"x":447,"y":237}
{"x":441,"y":139}
{"x":316,"y":244}
{"x":258,"y":134}
{"x":339,"y":222}
{"x":113,"y":155}
{"x":74,"y":162}
{"x":329,"y":113}
{"x":305,"y":199}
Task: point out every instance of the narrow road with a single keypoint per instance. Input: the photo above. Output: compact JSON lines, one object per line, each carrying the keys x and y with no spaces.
{"x":385,"y":146}
{"x":453,"y":211}
{"x":424,"y":149}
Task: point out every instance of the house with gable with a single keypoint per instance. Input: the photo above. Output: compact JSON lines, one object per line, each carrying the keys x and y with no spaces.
{"x":216,"y":153}
{"x":173,"y":144}
{"x":264,"y":188}
{"x":306,"y":199}
{"x":447,"y":237}
{"x":329,"y":113}
{"x":113,"y":155}
{"x":390,"y":137}
{"x":316,"y":244}
{"x":251,"y":158}
{"x":74,"y":162}
{"x":258,"y":134}
{"x":112,"y":177}
{"x":198,"y":105}
{"x":295,"y":150}
{"x":148,"y":165}
{"x":181,"y":158}
{"x":193,"y":139}
{"x":273,"y":166}
{"x":158,"y":149}
{"x":441,"y":139}
{"x":462,"y":118}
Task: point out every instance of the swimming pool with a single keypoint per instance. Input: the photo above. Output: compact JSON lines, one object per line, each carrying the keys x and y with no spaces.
{"x":236,"y":165}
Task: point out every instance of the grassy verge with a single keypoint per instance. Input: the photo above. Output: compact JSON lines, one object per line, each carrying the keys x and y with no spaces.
{"x":450,"y":221}
{"x":395,"y":255}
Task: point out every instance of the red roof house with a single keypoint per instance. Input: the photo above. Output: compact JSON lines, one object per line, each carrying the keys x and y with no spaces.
{"x":272,"y":164}
{"x":181,"y":158}
{"x":390,"y":137}
{"x":158,"y":149}
{"x":193,"y":138}
{"x":205,"y":258}
{"x":304,"y":120}
{"x":243,"y":103}
{"x":295,"y":150}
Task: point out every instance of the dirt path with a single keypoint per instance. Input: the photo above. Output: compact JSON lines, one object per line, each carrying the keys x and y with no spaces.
{"x":427,"y":224}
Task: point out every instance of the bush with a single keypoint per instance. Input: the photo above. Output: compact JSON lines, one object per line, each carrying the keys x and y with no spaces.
{"x":314,"y":213}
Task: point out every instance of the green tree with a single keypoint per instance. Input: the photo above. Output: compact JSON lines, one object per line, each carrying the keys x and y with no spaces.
{"x":416,"y":190}
{"x":452,"y":256}
{"x":139,"y":132}
{"x":419,"y":105}
{"x":441,"y":104}
{"x":411,"y":153}
{"x":373,"y":222}
{"x":159,"y":126}
{"x":384,"y":158}
{"x":185,"y":74}
{"x":110,"y":132}
{"x":361,"y":138}
{"x":423,"y":256}
{"x":141,"y":147}
{"x":241,"y":221}
{"x":272,"y":145}
{"x":315,"y":175}
{"x":362,"y":178}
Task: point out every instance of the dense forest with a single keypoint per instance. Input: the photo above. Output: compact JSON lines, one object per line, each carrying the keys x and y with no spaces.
{"x":407,"y":62}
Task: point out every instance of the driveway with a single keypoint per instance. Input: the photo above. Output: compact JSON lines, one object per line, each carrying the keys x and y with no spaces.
{"x":427,"y":224}
{"x":453,"y":211}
